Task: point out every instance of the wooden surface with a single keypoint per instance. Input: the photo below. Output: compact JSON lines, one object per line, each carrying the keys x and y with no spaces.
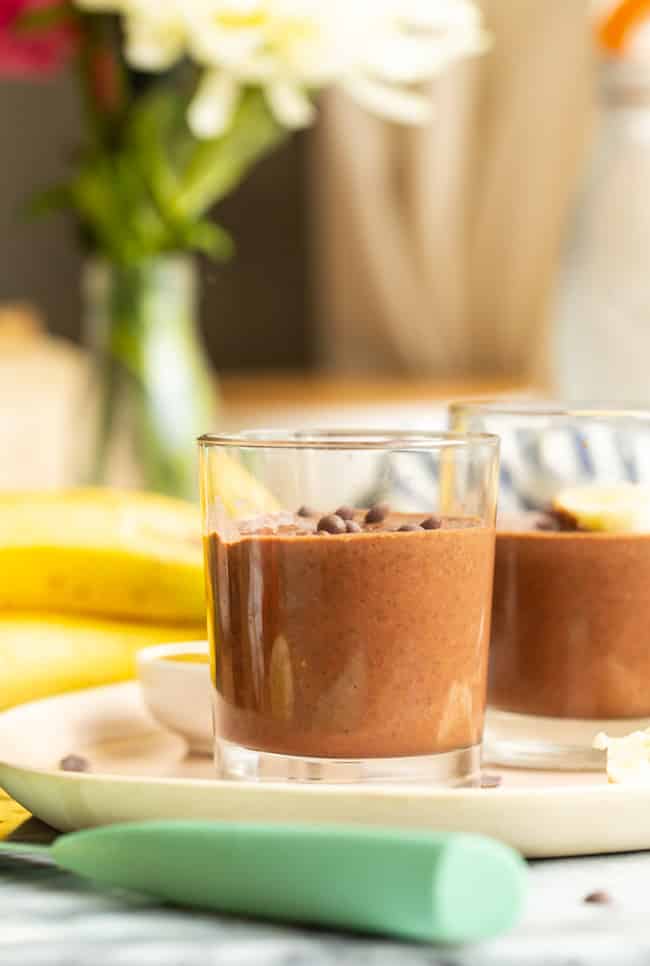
{"x":314,"y":389}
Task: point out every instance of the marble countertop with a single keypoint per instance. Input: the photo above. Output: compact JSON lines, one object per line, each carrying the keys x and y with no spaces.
{"x":49,"y":918}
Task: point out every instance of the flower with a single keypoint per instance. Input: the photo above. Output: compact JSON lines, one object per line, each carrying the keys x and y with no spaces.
{"x":33,"y":50}
{"x":156,"y":30}
{"x":376,"y":50}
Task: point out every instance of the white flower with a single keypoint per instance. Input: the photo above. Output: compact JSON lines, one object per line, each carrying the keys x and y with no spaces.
{"x":212,"y":107}
{"x":377,"y":50}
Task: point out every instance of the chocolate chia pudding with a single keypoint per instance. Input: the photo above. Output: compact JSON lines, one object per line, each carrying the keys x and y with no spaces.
{"x":352,"y":635}
{"x":571,"y":622}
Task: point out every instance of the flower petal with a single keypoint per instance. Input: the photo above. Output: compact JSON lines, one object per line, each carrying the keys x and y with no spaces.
{"x":290,"y":104}
{"x":392,"y":103}
{"x":213,"y":105}
{"x":153,"y":44}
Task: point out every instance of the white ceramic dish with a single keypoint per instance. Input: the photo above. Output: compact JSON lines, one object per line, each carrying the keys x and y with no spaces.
{"x":140,"y":771}
{"x":177,"y":692}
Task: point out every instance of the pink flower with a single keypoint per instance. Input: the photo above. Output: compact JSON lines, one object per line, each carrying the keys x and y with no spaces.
{"x":24,"y":51}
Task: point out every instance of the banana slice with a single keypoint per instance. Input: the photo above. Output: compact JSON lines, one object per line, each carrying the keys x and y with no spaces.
{"x":628,"y":758}
{"x":622,"y":508}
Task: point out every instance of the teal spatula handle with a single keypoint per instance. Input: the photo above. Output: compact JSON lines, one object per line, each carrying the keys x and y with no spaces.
{"x":413,"y":884}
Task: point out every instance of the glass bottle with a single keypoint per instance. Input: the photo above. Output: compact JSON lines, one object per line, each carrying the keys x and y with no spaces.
{"x":601,"y":314}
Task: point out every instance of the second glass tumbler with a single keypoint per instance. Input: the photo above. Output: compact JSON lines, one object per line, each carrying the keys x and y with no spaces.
{"x":570,"y":643}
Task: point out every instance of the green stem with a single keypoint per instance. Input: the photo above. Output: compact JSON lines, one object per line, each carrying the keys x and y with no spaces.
{"x":108,"y":381}
{"x":152,"y":372}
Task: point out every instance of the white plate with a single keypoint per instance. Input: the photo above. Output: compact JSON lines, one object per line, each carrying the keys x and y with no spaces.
{"x":141,"y":772}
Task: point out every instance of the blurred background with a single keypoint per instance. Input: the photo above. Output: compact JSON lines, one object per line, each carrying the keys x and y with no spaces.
{"x":379,"y":268}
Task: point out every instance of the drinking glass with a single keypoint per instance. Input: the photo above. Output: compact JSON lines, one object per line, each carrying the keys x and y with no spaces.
{"x":570,"y":643}
{"x":349,"y":582}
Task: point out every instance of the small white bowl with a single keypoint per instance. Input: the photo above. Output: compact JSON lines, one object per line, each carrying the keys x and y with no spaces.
{"x":177,"y":692}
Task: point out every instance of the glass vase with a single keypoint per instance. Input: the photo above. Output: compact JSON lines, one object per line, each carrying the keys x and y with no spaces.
{"x":152,"y":392}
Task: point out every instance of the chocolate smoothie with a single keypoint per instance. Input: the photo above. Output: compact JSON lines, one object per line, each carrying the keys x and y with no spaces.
{"x":571,"y":622}
{"x":353,"y":635}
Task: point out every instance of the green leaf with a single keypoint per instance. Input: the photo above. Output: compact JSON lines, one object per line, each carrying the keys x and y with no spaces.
{"x":96,"y":198}
{"x":145,"y":190}
{"x":150,"y":127}
{"x":216,"y":166}
{"x":213,"y":240}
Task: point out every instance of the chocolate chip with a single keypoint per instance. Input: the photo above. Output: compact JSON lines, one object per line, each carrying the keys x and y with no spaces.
{"x":491,"y":781}
{"x":306,"y":511}
{"x":331,"y":524}
{"x":566,"y":520}
{"x":409,"y":527}
{"x":599,"y":897}
{"x":74,"y":763}
{"x":345,"y":513}
{"x":377,"y":513}
{"x":557,"y":520}
{"x":431,"y":523}
{"x":352,"y":526}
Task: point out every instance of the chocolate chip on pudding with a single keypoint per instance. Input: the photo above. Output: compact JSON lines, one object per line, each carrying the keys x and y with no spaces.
{"x":377,"y":513}
{"x":332,"y":524}
{"x":559,"y":521}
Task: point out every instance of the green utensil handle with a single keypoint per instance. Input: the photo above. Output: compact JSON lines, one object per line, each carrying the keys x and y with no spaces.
{"x":413,"y":884}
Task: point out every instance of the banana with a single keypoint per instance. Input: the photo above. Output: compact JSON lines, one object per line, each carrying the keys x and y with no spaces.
{"x":628,"y":758}
{"x":45,"y":654}
{"x":621,"y":508}
{"x":102,"y":552}
{"x":12,"y":815}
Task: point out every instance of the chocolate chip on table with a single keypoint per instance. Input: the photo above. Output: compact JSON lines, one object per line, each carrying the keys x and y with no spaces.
{"x":332,"y":524}
{"x":352,"y":526}
{"x":409,"y":527}
{"x":74,"y":763}
{"x":598,"y":898}
{"x":491,"y":781}
{"x":377,"y":513}
{"x":345,"y":513}
{"x":306,"y":511}
{"x":431,"y":523}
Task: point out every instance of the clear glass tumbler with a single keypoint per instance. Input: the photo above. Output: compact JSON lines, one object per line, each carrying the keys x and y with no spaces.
{"x":570,"y":643}
{"x":349,"y":581}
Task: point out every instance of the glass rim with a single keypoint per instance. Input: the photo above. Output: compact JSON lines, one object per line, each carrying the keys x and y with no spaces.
{"x":349,"y":439}
{"x":549,"y":407}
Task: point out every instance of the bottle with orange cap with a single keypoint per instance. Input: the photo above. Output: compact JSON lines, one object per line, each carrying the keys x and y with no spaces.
{"x":601,"y":310}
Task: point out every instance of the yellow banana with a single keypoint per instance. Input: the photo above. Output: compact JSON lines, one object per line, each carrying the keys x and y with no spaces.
{"x":12,"y":815}
{"x":44,"y":654}
{"x":115,"y":553}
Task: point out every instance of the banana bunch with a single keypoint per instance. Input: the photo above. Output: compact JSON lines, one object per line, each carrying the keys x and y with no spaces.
{"x":87,"y":578}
